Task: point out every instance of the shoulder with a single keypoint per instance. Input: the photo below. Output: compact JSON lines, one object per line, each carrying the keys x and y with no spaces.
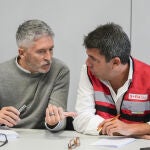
{"x":140,"y":66}
{"x":141,"y":73}
{"x":7,"y":69}
{"x":58,"y":64}
{"x":58,"y":69}
{"x":7,"y":65}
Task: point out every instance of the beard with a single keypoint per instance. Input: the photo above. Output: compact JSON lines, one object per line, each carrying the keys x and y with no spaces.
{"x":43,"y":67}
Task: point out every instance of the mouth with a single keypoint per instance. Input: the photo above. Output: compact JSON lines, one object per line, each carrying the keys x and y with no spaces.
{"x":45,"y":66}
{"x":48,"y":64}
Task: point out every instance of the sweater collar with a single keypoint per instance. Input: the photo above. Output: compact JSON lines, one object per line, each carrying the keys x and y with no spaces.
{"x":24,"y":70}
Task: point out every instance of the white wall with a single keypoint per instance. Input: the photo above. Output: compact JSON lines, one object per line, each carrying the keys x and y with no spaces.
{"x":141,"y":30}
{"x":70,"y":20}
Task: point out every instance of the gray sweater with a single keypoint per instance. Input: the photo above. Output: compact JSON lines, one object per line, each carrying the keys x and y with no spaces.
{"x":35,"y":90}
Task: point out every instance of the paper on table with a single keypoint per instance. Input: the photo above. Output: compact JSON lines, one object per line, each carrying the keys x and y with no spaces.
{"x":11,"y":134}
{"x":113,"y":141}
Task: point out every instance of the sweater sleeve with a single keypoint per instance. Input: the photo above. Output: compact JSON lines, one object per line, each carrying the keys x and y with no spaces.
{"x":61,"y":125}
{"x":59,"y":94}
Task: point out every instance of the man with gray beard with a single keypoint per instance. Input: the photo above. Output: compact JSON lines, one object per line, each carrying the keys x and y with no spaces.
{"x":34,"y":79}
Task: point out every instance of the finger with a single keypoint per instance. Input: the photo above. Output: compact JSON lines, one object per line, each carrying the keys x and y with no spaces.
{"x":6,"y":123}
{"x":11,"y":109}
{"x":70,"y":114}
{"x":111,"y":129}
{"x":147,"y":137}
{"x":51,"y":115}
{"x":61,"y":113}
{"x":49,"y":119}
{"x":56,"y":112}
{"x":9,"y":123}
{"x":113,"y":132}
{"x":8,"y":116}
{"x":47,"y":115}
{"x":51,"y":109}
{"x":101,"y":125}
{"x":105,"y":126}
{"x":10,"y":119}
{"x":11,"y":115}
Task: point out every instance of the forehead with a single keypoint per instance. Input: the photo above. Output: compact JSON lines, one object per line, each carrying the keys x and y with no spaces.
{"x":45,"y":41}
{"x":93,"y":52}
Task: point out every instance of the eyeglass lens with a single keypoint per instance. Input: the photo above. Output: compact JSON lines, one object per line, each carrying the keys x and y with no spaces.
{"x":4,"y":140}
{"x":73,"y":143}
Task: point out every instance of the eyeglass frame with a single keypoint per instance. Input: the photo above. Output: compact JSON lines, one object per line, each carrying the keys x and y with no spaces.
{"x":5,"y":141}
{"x":73,"y":143}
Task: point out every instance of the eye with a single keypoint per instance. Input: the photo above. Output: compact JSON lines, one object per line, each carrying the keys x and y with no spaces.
{"x":41,"y":51}
{"x":51,"y":49}
{"x":92,"y":58}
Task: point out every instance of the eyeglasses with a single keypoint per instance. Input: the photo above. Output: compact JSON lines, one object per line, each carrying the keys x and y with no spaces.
{"x":73,"y":143}
{"x":3,"y":139}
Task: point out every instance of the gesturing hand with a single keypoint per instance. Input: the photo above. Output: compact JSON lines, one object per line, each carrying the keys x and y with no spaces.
{"x":54,"y":114}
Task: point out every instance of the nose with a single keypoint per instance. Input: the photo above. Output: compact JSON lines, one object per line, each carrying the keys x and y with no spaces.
{"x":88,"y":62}
{"x":48,"y":55}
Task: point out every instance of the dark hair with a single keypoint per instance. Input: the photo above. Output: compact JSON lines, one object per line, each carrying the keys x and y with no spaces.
{"x":111,"y":41}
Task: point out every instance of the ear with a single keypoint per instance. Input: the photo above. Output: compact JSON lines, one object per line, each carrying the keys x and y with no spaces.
{"x":116,"y":62}
{"x":21,"y":52}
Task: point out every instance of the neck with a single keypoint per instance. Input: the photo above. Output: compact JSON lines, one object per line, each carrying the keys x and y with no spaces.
{"x":20,"y":62}
{"x":120,"y":78}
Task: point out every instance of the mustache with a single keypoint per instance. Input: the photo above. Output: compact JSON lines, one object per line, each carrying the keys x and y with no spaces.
{"x":47,"y":62}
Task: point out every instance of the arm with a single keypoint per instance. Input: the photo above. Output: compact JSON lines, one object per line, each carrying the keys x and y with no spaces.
{"x":9,"y":116}
{"x":58,"y":101}
{"x":86,"y":122}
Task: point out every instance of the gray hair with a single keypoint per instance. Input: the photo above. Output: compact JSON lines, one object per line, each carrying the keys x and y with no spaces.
{"x":30,"y":31}
{"x":111,"y":41}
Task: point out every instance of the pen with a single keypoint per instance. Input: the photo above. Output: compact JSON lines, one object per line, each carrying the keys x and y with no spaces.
{"x":21,"y":109}
{"x":99,"y":129}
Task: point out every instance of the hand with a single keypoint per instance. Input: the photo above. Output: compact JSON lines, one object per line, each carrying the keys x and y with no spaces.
{"x":54,"y":114}
{"x":9,"y":116}
{"x":70,"y":114}
{"x":147,"y":137}
{"x":117,"y":127}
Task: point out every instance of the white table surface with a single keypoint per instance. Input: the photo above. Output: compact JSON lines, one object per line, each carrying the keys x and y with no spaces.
{"x":36,"y":139}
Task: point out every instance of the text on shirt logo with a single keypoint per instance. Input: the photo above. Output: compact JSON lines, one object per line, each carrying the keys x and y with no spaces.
{"x":138,"y":96}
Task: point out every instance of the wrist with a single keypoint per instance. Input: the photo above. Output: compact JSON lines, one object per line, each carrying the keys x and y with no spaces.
{"x":51,"y":126}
